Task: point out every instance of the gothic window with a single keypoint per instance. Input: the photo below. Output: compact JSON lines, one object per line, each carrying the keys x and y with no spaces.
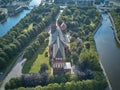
{"x":54,"y":65}
{"x":58,"y":65}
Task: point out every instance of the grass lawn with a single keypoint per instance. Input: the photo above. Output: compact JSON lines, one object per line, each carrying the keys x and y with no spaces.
{"x":92,"y":24}
{"x":29,"y":28}
{"x":40,"y":60}
{"x":0,"y":84}
{"x":33,"y":65}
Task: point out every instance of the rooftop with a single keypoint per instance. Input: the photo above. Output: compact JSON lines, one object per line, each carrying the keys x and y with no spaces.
{"x":63,"y":26}
{"x":67,"y":65}
{"x":58,"y":49}
{"x":62,"y":37}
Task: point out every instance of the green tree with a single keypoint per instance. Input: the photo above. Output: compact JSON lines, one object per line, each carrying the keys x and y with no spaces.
{"x":74,"y":57}
{"x":2,"y":63}
{"x":43,"y":67}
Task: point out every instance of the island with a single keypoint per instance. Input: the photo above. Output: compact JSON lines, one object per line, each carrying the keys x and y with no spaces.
{"x":58,"y":45}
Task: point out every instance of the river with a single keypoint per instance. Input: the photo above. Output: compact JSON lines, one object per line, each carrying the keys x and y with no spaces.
{"x":12,"y":21}
{"x":109,"y":52}
{"x":107,"y":48}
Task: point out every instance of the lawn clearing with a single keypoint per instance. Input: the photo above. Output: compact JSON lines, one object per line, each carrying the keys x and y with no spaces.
{"x":92,"y":24}
{"x":29,"y":28}
{"x":35,"y":68}
{"x":33,"y":65}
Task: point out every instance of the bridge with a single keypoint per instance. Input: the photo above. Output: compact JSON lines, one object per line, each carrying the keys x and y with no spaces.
{"x":105,"y":8}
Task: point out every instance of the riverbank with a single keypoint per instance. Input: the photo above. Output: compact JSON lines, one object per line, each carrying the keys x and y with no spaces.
{"x":114,"y":28}
{"x":97,"y":28}
{"x":109,"y":85}
{"x":4,"y":20}
{"x":11,"y":21}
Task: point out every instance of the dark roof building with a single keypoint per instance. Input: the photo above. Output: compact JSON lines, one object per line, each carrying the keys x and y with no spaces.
{"x":58,"y":47}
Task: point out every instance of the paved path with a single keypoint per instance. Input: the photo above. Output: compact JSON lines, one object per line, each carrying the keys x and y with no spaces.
{"x":15,"y":72}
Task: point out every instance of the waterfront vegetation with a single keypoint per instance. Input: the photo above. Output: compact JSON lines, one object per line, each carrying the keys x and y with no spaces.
{"x":33,"y":65}
{"x":116,"y":17}
{"x":2,"y":17}
{"x":21,"y":35}
{"x":81,"y":23}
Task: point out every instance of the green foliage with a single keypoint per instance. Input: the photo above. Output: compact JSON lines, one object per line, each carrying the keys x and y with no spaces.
{"x":43,"y":67}
{"x":2,"y":62}
{"x":87,"y":45}
{"x":46,"y":54}
{"x":21,"y":35}
{"x":33,"y":47}
{"x":116,"y":17}
{"x":74,"y":57}
{"x":80,"y":20}
{"x":58,"y":82}
{"x":27,"y":80}
{"x":13,"y":83}
{"x":89,"y":59}
{"x":82,"y":53}
{"x":73,"y":78}
{"x":79,"y":85}
{"x":32,"y":65}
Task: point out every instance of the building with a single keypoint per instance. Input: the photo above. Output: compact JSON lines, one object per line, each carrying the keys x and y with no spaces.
{"x":64,"y":1}
{"x":14,"y":9}
{"x":75,"y":2}
{"x":85,"y":3}
{"x":58,"y":48}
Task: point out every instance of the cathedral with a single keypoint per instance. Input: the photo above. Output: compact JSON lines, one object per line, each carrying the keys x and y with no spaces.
{"x":58,"y":48}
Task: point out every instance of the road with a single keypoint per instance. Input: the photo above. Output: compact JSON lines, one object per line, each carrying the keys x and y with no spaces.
{"x":17,"y":69}
{"x":15,"y":72}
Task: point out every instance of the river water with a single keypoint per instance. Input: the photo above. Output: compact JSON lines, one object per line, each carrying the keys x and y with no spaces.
{"x":109,"y":52}
{"x":107,"y":48}
{"x":12,"y":21}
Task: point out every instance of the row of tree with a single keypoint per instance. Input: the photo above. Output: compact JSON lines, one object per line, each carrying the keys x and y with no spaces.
{"x":33,"y":47}
{"x":81,"y":23}
{"x":19,"y":36}
{"x":116,"y":17}
{"x":72,"y":85}
{"x":45,"y":80}
{"x":82,"y":54}
{"x":28,"y":80}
